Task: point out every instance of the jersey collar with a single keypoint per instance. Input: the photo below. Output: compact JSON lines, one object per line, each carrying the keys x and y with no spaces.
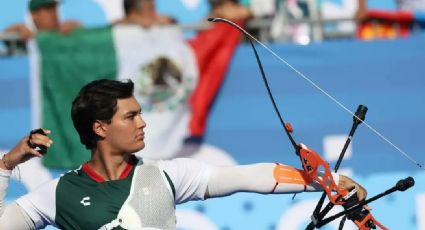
{"x":98,"y":178}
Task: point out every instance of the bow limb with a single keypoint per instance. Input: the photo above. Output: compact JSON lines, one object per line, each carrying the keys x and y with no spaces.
{"x":286,"y":126}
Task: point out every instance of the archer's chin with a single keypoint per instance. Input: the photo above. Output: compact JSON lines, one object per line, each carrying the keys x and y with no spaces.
{"x":141,"y":146}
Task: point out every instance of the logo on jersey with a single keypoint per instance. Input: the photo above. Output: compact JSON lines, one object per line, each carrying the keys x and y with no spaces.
{"x":85,"y":201}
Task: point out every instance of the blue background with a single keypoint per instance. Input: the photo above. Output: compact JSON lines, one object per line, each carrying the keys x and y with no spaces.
{"x":387,"y":76}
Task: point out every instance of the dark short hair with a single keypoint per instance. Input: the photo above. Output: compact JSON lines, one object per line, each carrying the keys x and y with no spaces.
{"x":97,"y":101}
{"x":133,"y":5}
{"x":34,"y":5}
{"x":216,"y":3}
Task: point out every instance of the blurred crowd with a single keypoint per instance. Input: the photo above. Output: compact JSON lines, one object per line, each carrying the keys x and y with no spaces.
{"x":44,"y":15}
{"x":299,"y":21}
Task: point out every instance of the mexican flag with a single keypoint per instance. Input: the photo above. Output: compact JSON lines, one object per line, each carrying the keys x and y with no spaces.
{"x":175,"y":80}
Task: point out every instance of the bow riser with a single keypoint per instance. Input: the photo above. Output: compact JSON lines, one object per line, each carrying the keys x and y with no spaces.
{"x":312,"y":164}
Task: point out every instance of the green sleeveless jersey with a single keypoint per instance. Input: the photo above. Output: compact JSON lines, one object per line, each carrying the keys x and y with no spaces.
{"x":143,"y":198}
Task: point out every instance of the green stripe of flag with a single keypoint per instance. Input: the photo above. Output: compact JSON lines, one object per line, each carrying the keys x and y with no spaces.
{"x":68,"y":63}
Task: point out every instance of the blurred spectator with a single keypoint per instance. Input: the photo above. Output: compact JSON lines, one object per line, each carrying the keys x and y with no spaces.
{"x":388,"y":24}
{"x":45,"y":18}
{"x":44,"y":15}
{"x":282,"y":29}
{"x":143,"y":12}
{"x":229,"y":9}
{"x":403,"y":5}
{"x":361,"y":10}
{"x":261,"y":8}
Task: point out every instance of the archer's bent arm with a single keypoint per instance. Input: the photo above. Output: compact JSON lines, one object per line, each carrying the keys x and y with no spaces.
{"x":13,"y":216}
{"x":266,"y":178}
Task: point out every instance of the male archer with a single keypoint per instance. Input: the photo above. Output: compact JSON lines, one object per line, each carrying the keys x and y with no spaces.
{"x":115,"y":189}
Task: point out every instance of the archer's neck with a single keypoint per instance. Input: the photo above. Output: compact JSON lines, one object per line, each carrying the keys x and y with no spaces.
{"x":108,"y":164}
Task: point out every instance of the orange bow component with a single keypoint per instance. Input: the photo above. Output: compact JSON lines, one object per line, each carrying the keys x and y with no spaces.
{"x":312,"y":164}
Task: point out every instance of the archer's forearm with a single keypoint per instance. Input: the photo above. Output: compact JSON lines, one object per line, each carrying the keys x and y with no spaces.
{"x":4,"y":183}
{"x":12,"y":216}
{"x":264,"y":178}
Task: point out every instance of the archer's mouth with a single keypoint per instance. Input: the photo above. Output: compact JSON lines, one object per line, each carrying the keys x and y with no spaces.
{"x":140,"y":136}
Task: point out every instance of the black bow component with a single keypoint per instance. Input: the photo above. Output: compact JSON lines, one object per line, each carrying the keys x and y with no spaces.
{"x":354,"y":209}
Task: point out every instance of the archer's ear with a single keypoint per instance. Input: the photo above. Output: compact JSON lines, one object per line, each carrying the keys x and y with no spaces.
{"x":99,"y":128}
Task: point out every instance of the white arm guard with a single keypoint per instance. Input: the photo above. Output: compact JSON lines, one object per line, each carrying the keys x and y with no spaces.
{"x":12,"y":217}
{"x":258,"y":178}
{"x":4,"y":183}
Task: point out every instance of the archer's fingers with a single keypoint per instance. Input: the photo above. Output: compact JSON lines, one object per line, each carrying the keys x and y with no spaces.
{"x":40,"y":139}
{"x":361,"y":192}
{"x":34,"y":153}
{"x":46,"y":131}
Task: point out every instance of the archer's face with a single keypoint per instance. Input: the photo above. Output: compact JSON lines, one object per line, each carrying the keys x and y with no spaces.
{"x":125,"y":132}
{"x":46,"y":18}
